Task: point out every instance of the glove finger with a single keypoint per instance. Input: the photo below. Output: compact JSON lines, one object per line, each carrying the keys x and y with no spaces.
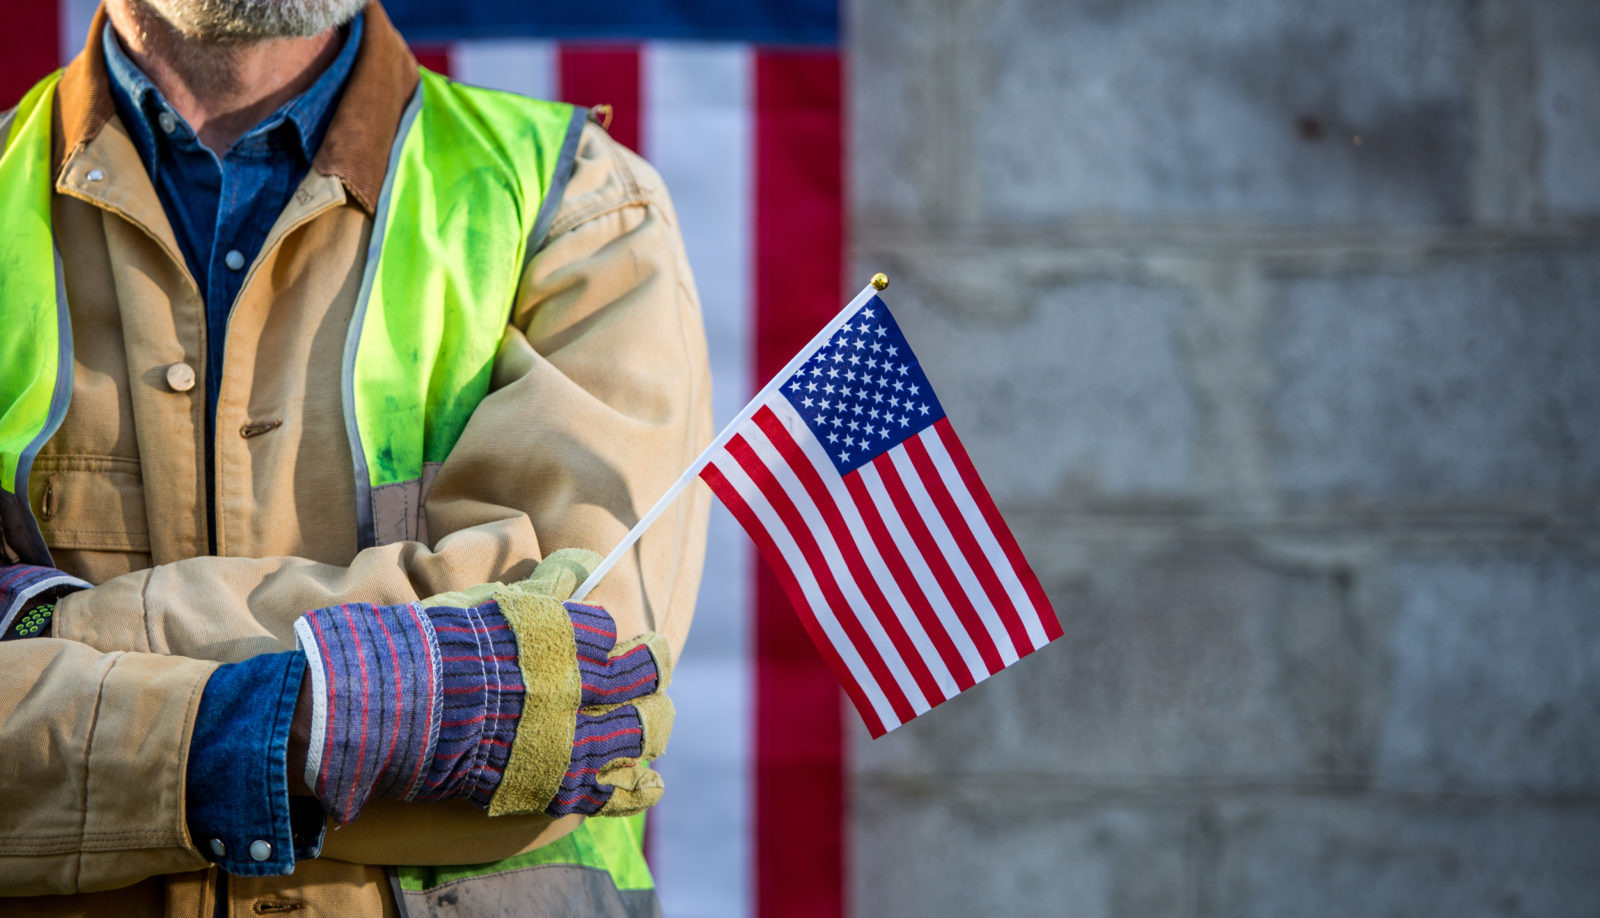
{"x":621,"y":677}
{"x":656,"y":713}
{"x":660,"y":654}
{"x":635,"y":787}
{"x":561,"y":572}
{"x":596,"y":634}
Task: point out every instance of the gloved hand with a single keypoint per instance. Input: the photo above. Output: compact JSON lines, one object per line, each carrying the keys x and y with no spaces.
{"x":477,"y":694}
{"x":596,"y":712}
{"x":28,"y":594}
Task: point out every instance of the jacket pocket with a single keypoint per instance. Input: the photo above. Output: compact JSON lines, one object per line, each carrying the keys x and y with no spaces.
{"x":90,"y":502}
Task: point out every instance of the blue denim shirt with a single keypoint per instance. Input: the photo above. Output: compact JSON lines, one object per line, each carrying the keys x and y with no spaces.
{"x":221,"y":208}
{"x":238,"y":806}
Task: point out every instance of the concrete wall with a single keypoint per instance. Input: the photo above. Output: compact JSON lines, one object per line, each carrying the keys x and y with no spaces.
{"x":1275,"y":328}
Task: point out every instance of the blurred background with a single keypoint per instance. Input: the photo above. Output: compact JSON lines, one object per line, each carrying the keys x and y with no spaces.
{"x":1277,"y":327}
{"x":1273,"y":328}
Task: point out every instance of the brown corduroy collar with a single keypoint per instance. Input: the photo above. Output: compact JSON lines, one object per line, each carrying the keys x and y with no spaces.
{"x":356,"y":148}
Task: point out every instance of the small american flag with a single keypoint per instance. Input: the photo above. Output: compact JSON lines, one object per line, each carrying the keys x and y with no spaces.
{"x":846,"y":473}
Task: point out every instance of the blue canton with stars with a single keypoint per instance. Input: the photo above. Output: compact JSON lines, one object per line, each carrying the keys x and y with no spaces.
{"x":863,"y":392}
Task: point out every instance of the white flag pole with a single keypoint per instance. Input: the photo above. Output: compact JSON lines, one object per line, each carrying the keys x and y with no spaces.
{"x":879,"y":282}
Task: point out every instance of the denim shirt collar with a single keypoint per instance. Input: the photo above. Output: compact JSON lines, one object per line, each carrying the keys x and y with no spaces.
{"x":301,"y":122}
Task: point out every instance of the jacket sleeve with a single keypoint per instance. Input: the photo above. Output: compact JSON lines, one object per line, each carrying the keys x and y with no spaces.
{"x":600,"y":397}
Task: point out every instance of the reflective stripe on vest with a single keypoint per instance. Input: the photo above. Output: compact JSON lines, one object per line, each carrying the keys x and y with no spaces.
{"x":436,"y":294}
{"x":35,"y":337}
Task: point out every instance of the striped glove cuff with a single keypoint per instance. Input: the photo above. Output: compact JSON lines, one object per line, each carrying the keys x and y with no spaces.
{"x":408,"y":703}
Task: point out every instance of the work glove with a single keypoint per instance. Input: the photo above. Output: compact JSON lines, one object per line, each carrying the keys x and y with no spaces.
{"x":28,"y":595}
{"x":485,"y":694}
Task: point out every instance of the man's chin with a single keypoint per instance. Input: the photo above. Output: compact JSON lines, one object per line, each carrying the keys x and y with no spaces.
{"x":237,"y":22}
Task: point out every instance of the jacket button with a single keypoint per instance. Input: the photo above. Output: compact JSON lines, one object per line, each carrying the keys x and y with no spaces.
{"x":260,"y":850}
{"x":218,"y":848}
{"x":234,"y":260}
{"x":180,"y":376}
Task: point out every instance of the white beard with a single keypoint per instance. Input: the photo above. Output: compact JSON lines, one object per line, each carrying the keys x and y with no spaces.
{"x":246,"y":21}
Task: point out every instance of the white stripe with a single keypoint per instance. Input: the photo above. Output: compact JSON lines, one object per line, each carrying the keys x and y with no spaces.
{"x":818,"y":605}
{"x":525,"y":66}
{"x":855,"y":602}
{"x":75,"y":16}
{"x":319,"y":700}
{"x":862,"y":537}
{"x":978,"y":523}
{"x":696,"y":130}
{"x":912,"y":555}
{"x":948,"y":547}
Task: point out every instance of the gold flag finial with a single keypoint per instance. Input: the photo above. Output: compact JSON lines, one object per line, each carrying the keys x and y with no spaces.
{"x":880,"y":280}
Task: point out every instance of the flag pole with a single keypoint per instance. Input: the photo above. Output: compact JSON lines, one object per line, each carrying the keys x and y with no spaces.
{"x":879,"y":282}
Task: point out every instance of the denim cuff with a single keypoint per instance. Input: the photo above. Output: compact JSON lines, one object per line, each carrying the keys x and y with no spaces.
{"x":240,"y":814}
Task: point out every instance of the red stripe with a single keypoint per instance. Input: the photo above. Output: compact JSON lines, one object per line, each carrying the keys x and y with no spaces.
{"x":593,"y":630}
{"x":30,"y":45}
{"x":434,"y":57}
{"x":799,"y":246}
{"x":509,"y":658}
{"x":604,"y":75}
{"x":997,"y":525}
{"x":596,"y":690}
{"x":817,"y":570}
{"x":877,"y":604}
{"x":627,"y":731}
{"x":361,"y":753}
{"x":909,"y":587}
{"x":954,"y":521}
{"x":779,"y":568}
{"x":394,"y":658}
{"x":911,"y":517}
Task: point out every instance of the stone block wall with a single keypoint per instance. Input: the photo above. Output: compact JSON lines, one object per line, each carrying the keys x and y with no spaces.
{"x":1275,"y":329}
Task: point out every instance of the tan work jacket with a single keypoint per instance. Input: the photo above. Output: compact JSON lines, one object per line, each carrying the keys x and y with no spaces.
{"x":600,"y":397}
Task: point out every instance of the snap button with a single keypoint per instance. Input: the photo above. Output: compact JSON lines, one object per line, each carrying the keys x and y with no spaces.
{"x":234,"y":260}
{"x":260,"y":850}
{"x":180,"y":376}
{"x":218,"y":848}
{"x":95,"y":175}
{"x":167,"y":122}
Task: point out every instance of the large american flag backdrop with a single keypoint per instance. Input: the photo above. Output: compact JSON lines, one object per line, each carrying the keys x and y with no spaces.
{"x":739,"y":104}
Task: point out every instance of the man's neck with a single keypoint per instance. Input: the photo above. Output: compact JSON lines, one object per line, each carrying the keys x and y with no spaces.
{"x":221,"y":90}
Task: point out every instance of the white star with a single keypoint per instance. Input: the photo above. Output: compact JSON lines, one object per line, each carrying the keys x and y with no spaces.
{"x":898,"y":385}
{"x":879,"y":330}
{"x":844,"y":457}
{"x":836,"y":422}
{"x":811,"y":386}
{"x":826,"y":404}
{"x":849,"y":441}
{"x":877,"y":398}
{"x":854,"y":360}
{"x":833,"y":437}
{"x":883,"y":432}
{"x":872,"y":363}
{"x":876,"y":347}
{"x":867,"y":311}
{"x":883,"y":380}
{"x":857,"y":344}
{"x":847,"y":327}
{"x":854,"y":425}
{"x":914,"y":388}
{"x":805,"y":403}
{"x":923,"y":409}
{"x":872,"y":414}
{"x":903,"y":369}
{"x":894,"y":402}
{"x":856,"y":408}
{"x":850,"y":374}
{"x":800,"y":372}
{"x":828,"y":388}
{"x":894,"y":351}
{"x":904,"y":421}
{"x":836,"y":356}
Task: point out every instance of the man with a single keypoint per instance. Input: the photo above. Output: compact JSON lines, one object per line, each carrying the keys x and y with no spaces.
{"x":293,"y":340}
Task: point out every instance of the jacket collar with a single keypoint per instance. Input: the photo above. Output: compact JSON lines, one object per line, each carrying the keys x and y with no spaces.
{"x":356,"y":148}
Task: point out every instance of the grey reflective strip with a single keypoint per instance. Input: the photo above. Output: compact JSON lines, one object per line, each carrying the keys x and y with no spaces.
{"x":7,"y":118}
{"x":23,"y":534}
{"x":558,"y":183}
{"x":366,"y":532}
{"x":548,"y":890}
